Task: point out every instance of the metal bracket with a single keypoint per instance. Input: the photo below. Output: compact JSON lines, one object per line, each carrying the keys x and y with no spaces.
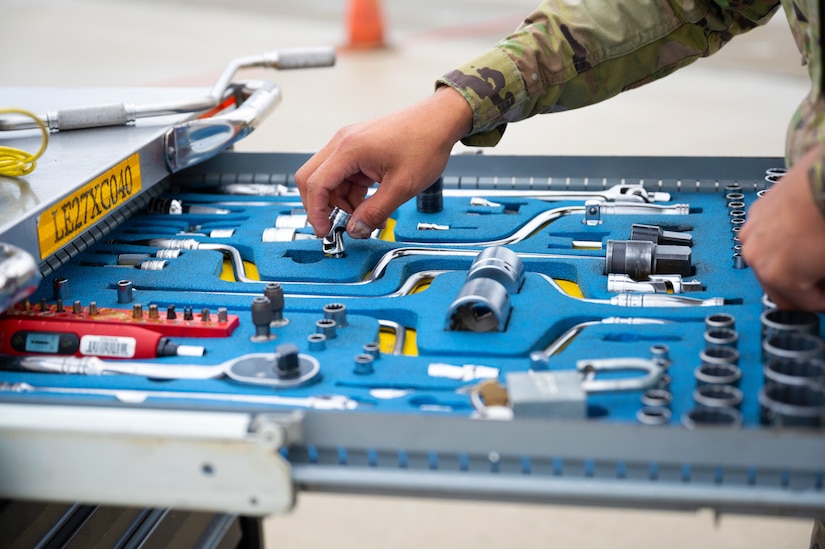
{"x":592,"y":213}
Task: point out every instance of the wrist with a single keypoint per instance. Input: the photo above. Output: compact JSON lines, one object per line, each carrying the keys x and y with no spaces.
{"x":453,"y":113}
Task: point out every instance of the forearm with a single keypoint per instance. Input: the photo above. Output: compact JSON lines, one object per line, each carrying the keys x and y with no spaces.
{"x":567,"y":55}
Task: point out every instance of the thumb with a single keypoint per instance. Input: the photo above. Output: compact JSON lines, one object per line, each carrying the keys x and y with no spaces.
{"x":374,"y":211}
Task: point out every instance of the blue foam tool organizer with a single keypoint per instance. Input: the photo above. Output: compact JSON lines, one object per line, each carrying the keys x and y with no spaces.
{"x":541,"y":312}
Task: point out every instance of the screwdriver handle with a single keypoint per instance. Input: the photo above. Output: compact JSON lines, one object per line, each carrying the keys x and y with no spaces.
{"x":23,"y":336}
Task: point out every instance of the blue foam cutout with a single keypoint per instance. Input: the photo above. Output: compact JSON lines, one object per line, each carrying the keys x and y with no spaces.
{"x":540,"y":312}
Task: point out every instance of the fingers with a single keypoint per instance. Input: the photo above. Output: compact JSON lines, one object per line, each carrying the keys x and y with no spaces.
{"x":790,"y":279}
{"x":376,"y":151}
{"x":371,"y":214}
{"x":327,"y":180}
{"x":810,"y":299}
{"x":783,"y":239}
{"x":314,"y":197}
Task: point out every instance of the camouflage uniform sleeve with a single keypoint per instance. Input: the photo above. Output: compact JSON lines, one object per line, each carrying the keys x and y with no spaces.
{"x":569,"y":54}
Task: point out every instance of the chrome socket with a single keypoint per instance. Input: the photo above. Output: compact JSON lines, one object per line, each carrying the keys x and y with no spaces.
{"x":792,"y":405}
{"x":776,"y":321}
{"x":792,"y":346}
{"x":793,"y":372}
{"x":704,"y":416}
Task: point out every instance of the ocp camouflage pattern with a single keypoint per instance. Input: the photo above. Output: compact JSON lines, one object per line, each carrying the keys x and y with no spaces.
{"x":572,"y":53}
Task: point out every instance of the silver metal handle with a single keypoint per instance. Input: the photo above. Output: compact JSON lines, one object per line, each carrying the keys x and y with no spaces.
{"x":193,"y":142}
{"x":116,"y":114}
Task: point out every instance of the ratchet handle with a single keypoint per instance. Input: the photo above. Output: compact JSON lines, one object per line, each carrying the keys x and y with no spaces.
{"x":302,"y":58}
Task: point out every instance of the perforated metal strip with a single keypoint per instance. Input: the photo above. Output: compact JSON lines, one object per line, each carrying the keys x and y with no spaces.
{"x":216,"y":179}
{"x":100,"y":229}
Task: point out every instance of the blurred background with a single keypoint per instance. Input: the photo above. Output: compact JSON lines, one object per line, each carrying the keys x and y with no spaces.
{"x":736,"y":103}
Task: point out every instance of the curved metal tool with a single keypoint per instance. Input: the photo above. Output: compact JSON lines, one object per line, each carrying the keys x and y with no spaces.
{"x":191,"y":244}
{"x":621,"y":300}
{"x":192,"y":142}
{"x":375,"y":273}
{"x":539,"y":358}
{"x":117,"y":114}
{"x":400,"y":335}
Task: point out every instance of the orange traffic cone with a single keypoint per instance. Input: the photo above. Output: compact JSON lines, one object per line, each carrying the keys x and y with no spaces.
{"x":366,"y":26}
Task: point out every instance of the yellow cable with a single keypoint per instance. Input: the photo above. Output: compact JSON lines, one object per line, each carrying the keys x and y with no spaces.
{"x":17,"y":162}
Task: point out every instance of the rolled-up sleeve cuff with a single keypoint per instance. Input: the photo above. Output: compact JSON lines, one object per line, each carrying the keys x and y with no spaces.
{"x":493,"y":87}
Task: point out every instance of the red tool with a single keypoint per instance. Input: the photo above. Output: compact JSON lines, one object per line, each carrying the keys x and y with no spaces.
{"x":26,"y":336}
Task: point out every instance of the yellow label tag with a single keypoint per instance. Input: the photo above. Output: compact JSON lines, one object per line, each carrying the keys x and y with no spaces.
{"x":61,"y":223}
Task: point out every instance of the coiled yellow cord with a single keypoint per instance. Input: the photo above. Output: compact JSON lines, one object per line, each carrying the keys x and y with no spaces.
{"x":17,"y":162}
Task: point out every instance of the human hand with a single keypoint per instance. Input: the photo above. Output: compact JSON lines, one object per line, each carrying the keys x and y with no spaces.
{"x":783,"y":240}
{"x":404,"y":152}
